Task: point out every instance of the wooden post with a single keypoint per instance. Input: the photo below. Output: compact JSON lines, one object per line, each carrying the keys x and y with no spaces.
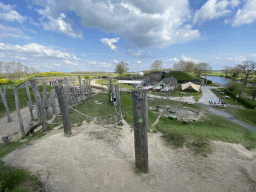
{"x":111,"y":88}
{"x":76,"y":96}
{"x":45,"y":98}
{"x":3,"y":95}
{"x":64,"y":110}
{"x":87,"y":86}
{"x":18,"y":112}
{"x":29,"y":101}
{"x":84,"y":90}
{"x":67,"y":92}
{"x":80,"y":87}
{"x":37,"y":112}
{"x":53,"y":104}
{"x":90,"y":90}
{"x":140,"y":120}
{"x":40,"y":104}
{"x":118,"y":104}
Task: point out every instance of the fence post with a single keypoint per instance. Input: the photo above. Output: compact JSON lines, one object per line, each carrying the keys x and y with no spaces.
{"x":111,"y":88}
{"x":76,"y":96}
{"x":84,"y":90}
{"x":87,"y":86}
{"x":80,"y":87}
{"x":90,"y":91}
{"x":53,"y":103}
{"x":67,"y":90}
{"x":45,"y":98}
{"x":29,"y":101}
{"x":140,"y":120}
{"x":64,"y":110}
{"x":3,"y":95}
{"x":118,"y":104}
{"x":18,"y":112}
{"x":40,"y":104}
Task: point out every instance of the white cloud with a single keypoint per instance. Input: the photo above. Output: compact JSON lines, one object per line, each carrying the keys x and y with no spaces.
{"x":238,"y":59}
{"x":213,"y":9}
{"x":83,"y":55}
{"x":254,"y":55}
{"x":174,"y":59}
{"x":246,"y":15}
{"x":139,"y":62}
{"x":110,"y":42}
{"x":7,"y":13}
{"x":6,"y":31}
{"x":218,"y":58}
{"x":103,"y":64}
{"x":115,"y":61}
{"x":58,"y":24}
{"x":143,"y":23}
{"x":135,"y":53}
{"x":184,"y":58}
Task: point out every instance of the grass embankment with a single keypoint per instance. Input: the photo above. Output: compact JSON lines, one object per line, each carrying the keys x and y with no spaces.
{"x":22,"y":93}
{"x":246,"y":115}
{"x":120,"y":85}
{"x":181,"y":76}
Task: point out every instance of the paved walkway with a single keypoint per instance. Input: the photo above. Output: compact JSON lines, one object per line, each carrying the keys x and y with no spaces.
{"x":207,"y":94}
{"x":183,"y":99}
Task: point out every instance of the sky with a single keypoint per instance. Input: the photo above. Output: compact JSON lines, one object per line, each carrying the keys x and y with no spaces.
{"x":95,"y":35}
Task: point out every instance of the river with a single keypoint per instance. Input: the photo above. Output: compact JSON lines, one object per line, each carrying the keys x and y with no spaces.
{"x":219,"y":80}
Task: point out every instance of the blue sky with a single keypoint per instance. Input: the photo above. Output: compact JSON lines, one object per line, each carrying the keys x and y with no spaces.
{"x":94,"y":35}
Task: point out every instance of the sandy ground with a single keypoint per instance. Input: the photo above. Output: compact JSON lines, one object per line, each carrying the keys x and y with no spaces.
{"x":102,"y":159}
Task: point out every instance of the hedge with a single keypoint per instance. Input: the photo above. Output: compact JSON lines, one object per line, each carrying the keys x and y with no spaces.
{"x":247,"y":102}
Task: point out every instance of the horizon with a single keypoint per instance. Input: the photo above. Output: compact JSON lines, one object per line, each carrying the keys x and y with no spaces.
{"x":95,"y":36}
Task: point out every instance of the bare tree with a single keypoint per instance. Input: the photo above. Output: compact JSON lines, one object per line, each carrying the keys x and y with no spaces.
{"x":18,"y":70}
{"x":180,"y":66}
{"x":158,"y":64}
{"x":1,"y":66}
{"x":202,"y":68}
{"x":227,"y":69}
{"x":122,"y":67}
{"x":247,"y":68}
{"x":9,"y":69}
{"x":190,"y":66}
{"x":26,"y":70}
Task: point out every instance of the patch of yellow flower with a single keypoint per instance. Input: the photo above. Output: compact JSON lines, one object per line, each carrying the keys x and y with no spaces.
{"x":3,"y":81}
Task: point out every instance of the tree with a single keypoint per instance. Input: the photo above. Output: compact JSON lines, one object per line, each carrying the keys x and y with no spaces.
{"x":202,"y":68}
{"x":158,"y":64}
{"x":247,"y":68}
{"x":252,"y":92}
{"x":227,"y":69}
{"x":1,"y":66}
{"x":122,"y":67}
{"x":189,"y":66}
{"x":180,"y":66}
{"x":18,"y":70}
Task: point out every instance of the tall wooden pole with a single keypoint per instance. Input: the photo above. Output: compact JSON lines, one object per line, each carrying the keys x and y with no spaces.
{"x":29,"y":101}
{"x":80,"y":87}
{"x":3,"y":95}
{"x":64,"y":110}
{"x":40,"y":104}
{"x":84,"y":89}
{"x":140,"y":120}
{"x":18,"y":112}
{"x":45,"y":98}
{"x":118,"y":104}
{"x":53,"y":104}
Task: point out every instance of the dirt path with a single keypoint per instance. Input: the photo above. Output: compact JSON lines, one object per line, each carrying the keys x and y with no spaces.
{"x":102,"y":159}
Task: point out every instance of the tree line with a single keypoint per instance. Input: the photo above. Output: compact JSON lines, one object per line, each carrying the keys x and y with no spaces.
{"x":15,"y":70}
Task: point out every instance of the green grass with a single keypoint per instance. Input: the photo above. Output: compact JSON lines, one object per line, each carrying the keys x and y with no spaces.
{"x":22,"y":93}
{"x":93,"y":110}
{"x":210,"y":127}
{"x":120,"y":85}
{"x":181,"y":76}
{"x":245,"y":115}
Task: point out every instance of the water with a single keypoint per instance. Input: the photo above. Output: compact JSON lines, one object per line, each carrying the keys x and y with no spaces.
{"x":219,"y":80}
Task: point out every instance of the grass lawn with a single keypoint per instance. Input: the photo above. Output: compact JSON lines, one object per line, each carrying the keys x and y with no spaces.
{"x":22,"y":93}
{"x":196,"y":135}
{"x":90,"y":108}
{"x":246,"y":115}
{"x":121,"y":85}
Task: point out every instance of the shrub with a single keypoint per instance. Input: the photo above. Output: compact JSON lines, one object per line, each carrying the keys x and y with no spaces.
{"x":87,"y":77}
{"x":3,"y":81}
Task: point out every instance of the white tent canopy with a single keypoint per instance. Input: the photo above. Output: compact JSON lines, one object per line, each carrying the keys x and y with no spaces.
{"x":194,"y":86}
